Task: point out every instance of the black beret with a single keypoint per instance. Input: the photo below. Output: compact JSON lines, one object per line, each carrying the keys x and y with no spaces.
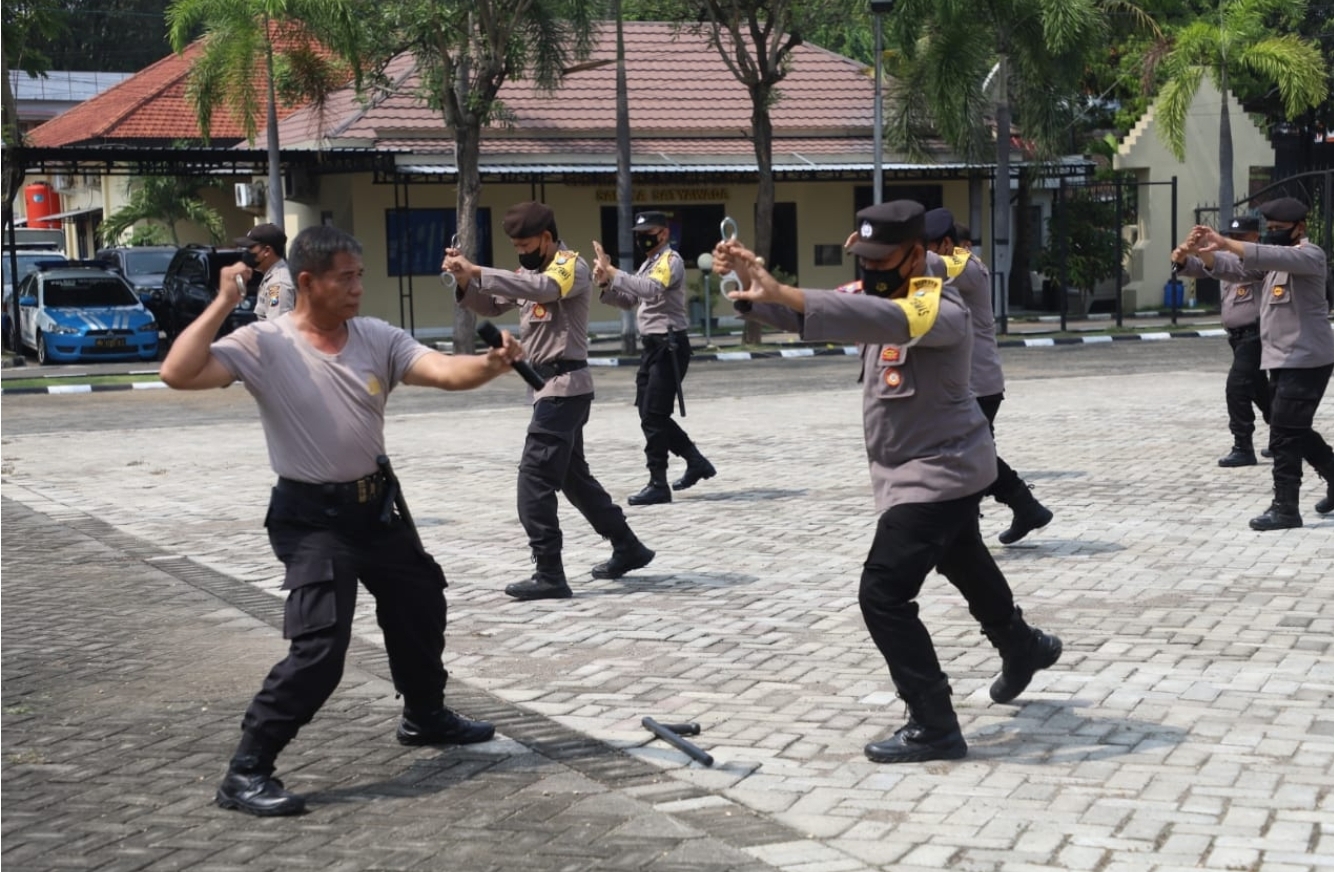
{"x":528,"y":219}
{"x":1244,"y":224}
{"x":1284,"y":209}
{"x":881,"y":228}
{"x":650,"y":221}
{"x":938,"y":224}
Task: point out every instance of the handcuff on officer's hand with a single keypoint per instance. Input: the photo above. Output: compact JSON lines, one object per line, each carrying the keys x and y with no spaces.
{"x":447,"y":278}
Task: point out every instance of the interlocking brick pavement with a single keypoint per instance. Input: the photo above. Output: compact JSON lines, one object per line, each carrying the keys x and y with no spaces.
{"x":1190,"y":723}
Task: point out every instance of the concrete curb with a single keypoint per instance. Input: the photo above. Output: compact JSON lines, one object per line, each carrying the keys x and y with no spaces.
{"x":723,"y":356}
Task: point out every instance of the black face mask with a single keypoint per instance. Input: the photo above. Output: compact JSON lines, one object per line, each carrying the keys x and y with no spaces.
{"x":1280,"y":237}
{"x":533,"y":260}
{"x":250,"y":259}
{"x":645,"y":242}
{"x":884,"y":282}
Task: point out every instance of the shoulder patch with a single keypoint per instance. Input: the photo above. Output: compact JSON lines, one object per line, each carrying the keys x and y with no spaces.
{"x":955,"y":262}
{"x":561,"y":270}
{"x":922,"y":304}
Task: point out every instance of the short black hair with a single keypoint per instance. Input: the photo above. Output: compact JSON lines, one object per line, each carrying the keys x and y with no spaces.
{"x":314,"y":249}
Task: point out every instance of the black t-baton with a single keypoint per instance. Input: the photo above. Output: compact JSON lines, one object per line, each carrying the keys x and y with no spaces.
{"x":491,"y":336}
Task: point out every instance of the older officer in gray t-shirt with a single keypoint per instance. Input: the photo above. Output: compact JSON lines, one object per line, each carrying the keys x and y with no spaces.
{"x":321,"y":376}
{"x":931,"y":458}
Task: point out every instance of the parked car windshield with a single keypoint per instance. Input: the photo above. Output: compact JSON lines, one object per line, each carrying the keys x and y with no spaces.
{"x":28,"y":261}
{"x":91,"y":291}
{"x":140,"y":263}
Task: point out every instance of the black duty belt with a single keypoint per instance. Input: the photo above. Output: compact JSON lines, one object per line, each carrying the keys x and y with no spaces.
{"x":363,"y":490}
{"x":652,"y":340}
{"x":1247,"y":332}
{"x":559,"y":367}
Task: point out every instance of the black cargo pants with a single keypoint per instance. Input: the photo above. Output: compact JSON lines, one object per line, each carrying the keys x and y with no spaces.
{"x":655,"y":397}
{"x":1295,"y":396}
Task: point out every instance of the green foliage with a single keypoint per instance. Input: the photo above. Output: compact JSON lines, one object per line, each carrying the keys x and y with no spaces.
{"x":156,"y":205}
{"x":1094,"y":248}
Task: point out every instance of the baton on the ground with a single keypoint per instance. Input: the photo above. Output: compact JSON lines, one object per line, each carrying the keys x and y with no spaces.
{"x":491,"y":336}
{"x":673,"y":738}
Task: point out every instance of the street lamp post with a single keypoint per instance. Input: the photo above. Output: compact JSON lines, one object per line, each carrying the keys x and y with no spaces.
{"x":878,"y":8}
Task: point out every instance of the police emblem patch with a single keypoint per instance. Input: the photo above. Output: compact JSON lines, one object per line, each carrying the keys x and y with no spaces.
{"x":373,"y":386}
{"x":562,"y":260}
{"x":539,"y":311}
{"x":891,"y":354}
{"x":1278,"y":290}
{"x":893,"y":378}
{"x":866,"y":230}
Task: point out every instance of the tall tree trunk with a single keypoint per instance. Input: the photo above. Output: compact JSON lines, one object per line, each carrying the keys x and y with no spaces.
{"x":467,"y":146}
{"x":275,"y":209}
{"x":762,"y":125}
{"x":1225,"y":192}
{"x":1001,"y":185}
{"x":625,"y":243}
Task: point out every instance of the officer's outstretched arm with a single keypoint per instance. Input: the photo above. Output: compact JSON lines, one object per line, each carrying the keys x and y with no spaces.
{"x":461,"y":373}
{"x":191,"y":365}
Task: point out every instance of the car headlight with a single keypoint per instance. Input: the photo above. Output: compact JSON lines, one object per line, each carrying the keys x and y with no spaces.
{"x":62,"y":329}
{"x":150,"y":327}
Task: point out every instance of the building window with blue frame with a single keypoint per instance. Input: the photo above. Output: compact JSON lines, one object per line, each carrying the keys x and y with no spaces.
{"x":416,"y":239}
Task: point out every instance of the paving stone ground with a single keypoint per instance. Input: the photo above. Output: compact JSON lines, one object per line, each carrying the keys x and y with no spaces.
{"x":1189,"y":725}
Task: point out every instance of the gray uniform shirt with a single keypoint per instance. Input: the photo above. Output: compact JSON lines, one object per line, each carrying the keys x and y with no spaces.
{"x":1240,"y":304}
{"x":277,"y":292}
{"x":973,"y":281}
{"x":660,"y":286}
{"x":926,"y":437}
{"x":1294,"y":316}
{"x":323,"y":414}
{"x":554,"y":314}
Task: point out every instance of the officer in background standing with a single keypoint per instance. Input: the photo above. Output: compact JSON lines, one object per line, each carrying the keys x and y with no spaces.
{"x":659,"y":290}
{"x":932,"y":458}
{"x":1246,"y":383}
{"x":966,"y":273}
{"x":1297,"y":345}
{"x":263,"y":249}
{"x":321,"y":377}
{"x":552,"y":289}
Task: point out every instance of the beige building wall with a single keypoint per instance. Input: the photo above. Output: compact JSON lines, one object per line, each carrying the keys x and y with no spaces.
{"x":1144,"y":152}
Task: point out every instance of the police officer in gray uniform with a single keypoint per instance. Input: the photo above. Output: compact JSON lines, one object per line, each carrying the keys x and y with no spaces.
{"x":659,"y":290}
{"x":321,"y":377}
{"x":1297,"y":345}
{"x":262,"y":250}
{"x":966,"y":273}
{"x":1246,"y":384}
{"x":932,"y":458}
{"x":552,"y":290}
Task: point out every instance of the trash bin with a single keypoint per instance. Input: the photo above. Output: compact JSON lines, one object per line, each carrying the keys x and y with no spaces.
{"x":1174,"y":294}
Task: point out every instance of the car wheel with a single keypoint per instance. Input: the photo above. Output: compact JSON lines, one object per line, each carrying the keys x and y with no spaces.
{"x":42,"y":356}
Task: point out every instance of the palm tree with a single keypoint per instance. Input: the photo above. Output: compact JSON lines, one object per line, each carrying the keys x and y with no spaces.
{"x":1249,"y":38}
{"x":464,"y":51}
{"x":1032,"y":52}
{"x":164,"y":201}
{"x":242,"y":39}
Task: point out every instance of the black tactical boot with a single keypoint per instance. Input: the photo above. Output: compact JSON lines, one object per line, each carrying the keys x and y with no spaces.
{"x":656,"y":491}
{"x":627,"y":554}
{"x":442,"y":727}
{"x":249,"y":786}
{"x":1325,"y":506}
{"x":1029,"y":514}
{"x":697,"y":467}
{"x":1282,"y":512}
{"x":932,"y":732}
{"x":548,"y":582}
{"x":1242,"y":453}
{"x":1023,"y":650}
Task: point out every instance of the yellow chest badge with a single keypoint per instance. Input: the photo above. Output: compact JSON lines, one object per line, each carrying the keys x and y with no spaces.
{"x":539,"y":311}
{"x":1278,"y":290}
{"x":373,"y":386}
{"x":1243,"y":292}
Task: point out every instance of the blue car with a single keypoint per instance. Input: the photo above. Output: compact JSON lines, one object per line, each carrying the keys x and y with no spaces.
{"x":79,"y":312}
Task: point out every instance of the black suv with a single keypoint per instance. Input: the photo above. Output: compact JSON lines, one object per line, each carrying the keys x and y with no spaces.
{"x":143,"y":267}
{"x":191,"y":283}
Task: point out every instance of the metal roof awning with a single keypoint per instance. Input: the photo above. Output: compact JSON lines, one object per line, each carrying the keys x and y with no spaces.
{"x":55,"y":216}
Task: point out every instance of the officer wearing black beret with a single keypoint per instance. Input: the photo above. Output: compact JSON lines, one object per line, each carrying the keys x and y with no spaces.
{"x":1296,"y":345}
{"x":967,"y":273}
{"x":659,"y":290}
{"x":552,"y":291}
{"x":1246,"y":384}
{"x":932,"y":458}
